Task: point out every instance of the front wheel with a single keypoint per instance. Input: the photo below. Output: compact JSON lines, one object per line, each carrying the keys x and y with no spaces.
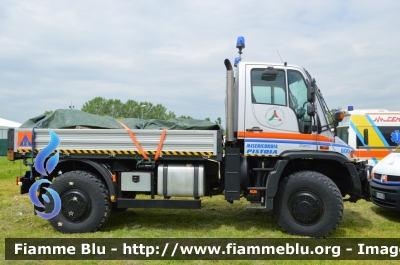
{"x":85,"y":205}
{"x":309,"y":204}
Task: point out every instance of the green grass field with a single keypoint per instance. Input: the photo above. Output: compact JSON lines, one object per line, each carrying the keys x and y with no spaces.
{"x":216,"y":219}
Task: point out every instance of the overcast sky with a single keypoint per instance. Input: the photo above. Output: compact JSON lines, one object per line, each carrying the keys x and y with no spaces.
{"x":172,"y":52}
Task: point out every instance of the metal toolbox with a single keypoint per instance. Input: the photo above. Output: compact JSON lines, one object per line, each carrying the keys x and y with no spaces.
{"x":136,"y":181}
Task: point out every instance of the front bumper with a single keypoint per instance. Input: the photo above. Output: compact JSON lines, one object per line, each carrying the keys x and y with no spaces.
{"x":385,"y":195}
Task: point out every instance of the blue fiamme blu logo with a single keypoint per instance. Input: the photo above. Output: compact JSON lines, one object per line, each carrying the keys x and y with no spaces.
{"x":50,"y":166}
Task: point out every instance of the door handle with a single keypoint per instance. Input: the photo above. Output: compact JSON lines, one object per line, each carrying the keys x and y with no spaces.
{"x":254,"y":129}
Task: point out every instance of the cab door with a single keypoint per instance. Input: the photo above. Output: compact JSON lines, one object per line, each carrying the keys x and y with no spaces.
{"x":275,"y":111}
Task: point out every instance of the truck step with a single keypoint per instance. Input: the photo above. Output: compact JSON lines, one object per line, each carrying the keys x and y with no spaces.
{"x":256,"y":207}
{"x":263,"y":169}
{"x":256,"y":188}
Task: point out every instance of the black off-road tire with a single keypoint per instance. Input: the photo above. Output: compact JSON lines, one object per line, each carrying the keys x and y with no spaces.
{"x":308,"y":203}
{"x":85,"y":204}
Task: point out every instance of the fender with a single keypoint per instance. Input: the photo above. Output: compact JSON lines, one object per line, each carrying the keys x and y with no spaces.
{"x":356,"y":191}
{"x":273,"y":181}
{"x":316,"y":155}
{"x":101,"y":170}
{"x":274,"y":177}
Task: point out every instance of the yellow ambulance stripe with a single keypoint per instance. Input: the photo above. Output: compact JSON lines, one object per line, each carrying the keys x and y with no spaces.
{"x":361,"y":123}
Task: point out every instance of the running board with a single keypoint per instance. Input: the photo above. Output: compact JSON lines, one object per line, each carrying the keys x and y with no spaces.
{"x":263,"y":169}
{"x":256,"y":188}
{"x":256,"y":207}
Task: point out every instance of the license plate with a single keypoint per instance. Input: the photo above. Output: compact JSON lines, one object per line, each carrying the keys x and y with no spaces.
{"x":380,"y":195}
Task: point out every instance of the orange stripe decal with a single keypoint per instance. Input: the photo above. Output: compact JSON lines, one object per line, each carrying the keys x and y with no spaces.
{"x":372,"y":153}
{"x":291,"y":136}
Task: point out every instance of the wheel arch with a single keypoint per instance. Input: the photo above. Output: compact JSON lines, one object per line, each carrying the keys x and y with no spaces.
{"x":96,"y":168}
{"x":335,"y":166}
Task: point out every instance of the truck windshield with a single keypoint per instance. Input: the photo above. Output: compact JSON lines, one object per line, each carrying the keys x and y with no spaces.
{"x":325,"y":109}
{"x":297,"y":90}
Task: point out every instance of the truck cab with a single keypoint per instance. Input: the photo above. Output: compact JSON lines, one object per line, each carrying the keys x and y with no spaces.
{"x":272,"y":115}
{"x":282,"y":150}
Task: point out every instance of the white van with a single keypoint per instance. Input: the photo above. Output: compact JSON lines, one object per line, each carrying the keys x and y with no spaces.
{"x":385,"y":182}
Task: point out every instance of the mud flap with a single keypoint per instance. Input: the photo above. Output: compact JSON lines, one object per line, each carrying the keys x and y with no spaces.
{"x":355,"y":183}
{"x":27,"y":182}
{"x":364,"y":173}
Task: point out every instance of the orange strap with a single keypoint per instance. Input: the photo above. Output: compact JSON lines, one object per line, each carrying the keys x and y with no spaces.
{"x":164,"y":132}
{"x":134,"y":140}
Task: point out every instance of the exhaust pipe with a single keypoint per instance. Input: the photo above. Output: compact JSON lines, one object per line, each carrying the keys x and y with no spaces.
{"x":229,"y":104}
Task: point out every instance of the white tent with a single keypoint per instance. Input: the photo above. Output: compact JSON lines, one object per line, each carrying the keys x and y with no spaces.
{"x":5,"y":125}
{"x":8,"y":124}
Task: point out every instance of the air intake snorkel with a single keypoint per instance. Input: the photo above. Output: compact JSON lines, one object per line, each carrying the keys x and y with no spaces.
{"x":230,"y":93}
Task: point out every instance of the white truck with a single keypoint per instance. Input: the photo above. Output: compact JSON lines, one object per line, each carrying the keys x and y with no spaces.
{"x":372,"y":133}
{"x":280,"y":154}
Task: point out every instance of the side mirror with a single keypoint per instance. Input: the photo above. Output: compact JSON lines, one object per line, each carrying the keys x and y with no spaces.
{"x":339,"y":116}
{"x":310,"y":110}
{"x":269,"y":74}
{"x":311,"y":91}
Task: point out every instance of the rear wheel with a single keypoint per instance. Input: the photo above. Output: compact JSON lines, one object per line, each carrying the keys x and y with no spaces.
{"x":85,"y":205}
{"x":308,"y":203}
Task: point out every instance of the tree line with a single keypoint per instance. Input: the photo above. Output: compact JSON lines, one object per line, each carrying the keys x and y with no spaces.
{"x":130,"y":109}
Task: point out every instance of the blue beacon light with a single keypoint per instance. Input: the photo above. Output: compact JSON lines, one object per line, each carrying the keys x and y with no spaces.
{"x":240,"y":45}
{"x":237,"y":60}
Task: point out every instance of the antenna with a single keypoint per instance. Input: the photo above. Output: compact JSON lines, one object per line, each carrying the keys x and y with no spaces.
{"x":285,"y":63}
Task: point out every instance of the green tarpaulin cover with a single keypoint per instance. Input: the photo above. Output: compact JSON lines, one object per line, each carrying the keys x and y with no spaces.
{"x":71,"y":119}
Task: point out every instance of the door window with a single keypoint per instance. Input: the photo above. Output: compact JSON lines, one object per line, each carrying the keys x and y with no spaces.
{"x":268,"y":92}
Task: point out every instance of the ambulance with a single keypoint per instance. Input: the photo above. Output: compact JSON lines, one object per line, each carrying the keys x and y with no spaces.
{"x":373,"y":133}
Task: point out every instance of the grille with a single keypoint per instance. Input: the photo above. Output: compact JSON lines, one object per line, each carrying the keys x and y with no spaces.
{"x":390,"y":178}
